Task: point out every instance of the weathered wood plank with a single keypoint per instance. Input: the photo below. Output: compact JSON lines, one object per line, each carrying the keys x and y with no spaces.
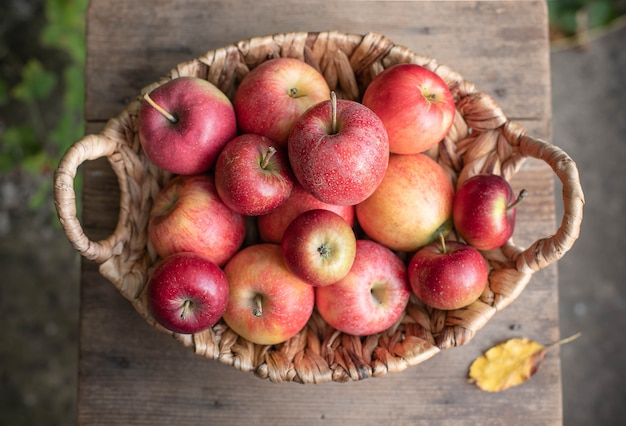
{"x":499,"y":46}
{"x":132,"y":374}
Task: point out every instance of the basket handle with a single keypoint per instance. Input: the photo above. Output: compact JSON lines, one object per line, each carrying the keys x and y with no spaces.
{"x":548,"y":250}
{"x":90,"y":147}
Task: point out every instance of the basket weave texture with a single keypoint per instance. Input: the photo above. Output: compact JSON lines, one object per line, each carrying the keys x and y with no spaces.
{"x":482,"y":139}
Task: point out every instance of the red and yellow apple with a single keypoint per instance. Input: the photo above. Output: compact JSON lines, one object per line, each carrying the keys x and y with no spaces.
{"x":189,"y":216}
{"x":186,"y":293}
{"x":484,"y":211}
{"x":338,"y":150}
{"x":184,"y":123}
{"x":273,"y":95}
{"x":267,"y":304}
{"x":448,"y":275}
{"x":412,"y":204}
{"x":371,"y":298}
{"x":252,"y":175}
{"x":414,"y":103}
{"x":319,"y":246}
{"x":272,"y":225}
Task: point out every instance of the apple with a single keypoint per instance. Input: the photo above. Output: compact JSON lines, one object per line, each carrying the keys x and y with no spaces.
{"x":272,"y":225}
{"x":189,"y":216}
{"x":267,"y":304}
{"x":414,"y":103}
{"x":184,"y":123}
{"x":252,"y":175}
{"x":371,"y":298}
{"x":448,"y":275}
{"x":319,"y":246}
{"x":186,"y":293}
{"x":272,"y":96}
{"x":484,"y":210}
{"x":338,"y":150}
{"x":412,"y":204}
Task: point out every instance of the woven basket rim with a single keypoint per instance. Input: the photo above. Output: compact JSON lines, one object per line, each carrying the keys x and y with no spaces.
{"x":318,"y":353}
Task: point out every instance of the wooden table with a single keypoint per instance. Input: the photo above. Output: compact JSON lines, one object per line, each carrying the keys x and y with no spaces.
{"x":131,"y":374}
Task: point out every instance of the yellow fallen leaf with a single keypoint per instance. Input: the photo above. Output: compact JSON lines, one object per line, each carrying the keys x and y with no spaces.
{"x":510,"y":363}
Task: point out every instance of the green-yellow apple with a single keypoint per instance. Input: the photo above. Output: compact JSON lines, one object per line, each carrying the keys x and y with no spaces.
{"x":371,"y":298}
{"x":184,"y":123}
{"x":252,"y":175}
{"x":448,"y":275}
{"x":272,"y":225}
{"x":267,"y":304}
{"x":319,"y":246}
{"x":484,"y":211}
{"x":274,"y":94}
{"x":414,"y":103}
{"x":186,"y":293}
{"x":189,"y":216}
{"x":412,"y":204}
{"x":338,"y":150}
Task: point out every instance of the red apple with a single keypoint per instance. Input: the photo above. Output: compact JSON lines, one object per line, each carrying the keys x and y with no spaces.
{"x":339,"y":151}
{"x":186,"y":293}
{"x":184,"y":123}
{"x":267,"y":303}
{"x":319,"y":246}
{"x":412,"y":204}
{"x":252,"y":175}
{"x":448,"y":274}
{"x":272,"y":226}
{"x":274,"y":94}
{"x":371,"y":298}
{"x":415,"y":105}
{"x":189,"y":216}
{"x":484,"y":211}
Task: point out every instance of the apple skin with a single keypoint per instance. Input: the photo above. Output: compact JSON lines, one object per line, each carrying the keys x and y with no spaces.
{"x":412,"y":204}
{"x":414,"y":103}
{"x":206,"y":122}
{"x":341,"y":165}
{"x":273,"y":95}
{"x":272,"y":225}
{"x":484,"y":211}
{"x":448,"y":279}
{"x":252,"y":175}
{"x":186,"y":293}
{"x":189,"y":216}
{"x":371,"y":298}
{"x":257,"y":274}
{"x":319,"y":246}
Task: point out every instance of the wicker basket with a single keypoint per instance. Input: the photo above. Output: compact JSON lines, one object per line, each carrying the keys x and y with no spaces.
{"x":482,"y":139}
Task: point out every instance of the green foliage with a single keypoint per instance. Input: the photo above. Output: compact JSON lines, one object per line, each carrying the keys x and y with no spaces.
{"x":37,"y":83}
{"x":565,"y":15}
{"x":32,"y":144}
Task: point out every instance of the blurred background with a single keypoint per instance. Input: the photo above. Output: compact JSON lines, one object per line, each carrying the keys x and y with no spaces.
{"x":42,"y":56}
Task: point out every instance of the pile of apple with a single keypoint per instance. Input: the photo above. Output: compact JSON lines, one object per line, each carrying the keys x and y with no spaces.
{"x":348,"y":214}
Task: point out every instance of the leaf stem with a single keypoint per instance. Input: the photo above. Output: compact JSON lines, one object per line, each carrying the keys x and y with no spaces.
{"x":158,"y":107}
{"x":266,"y":158}
{"x":333,"y":112}
{"x":258,"y":310}
{"x":442,"y":240}
{"x":522,"y":194}
{"x":566,"y":340}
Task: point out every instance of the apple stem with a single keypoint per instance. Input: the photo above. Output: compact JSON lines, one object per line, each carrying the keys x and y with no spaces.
{"x":333,"y":112}
{"x":185,"y":308}
{"x":266,"y":158}
{"x":258,"y":311}
{"x":520,"y":198}
{"x":442,"y":240}
{"x":158,"y":107}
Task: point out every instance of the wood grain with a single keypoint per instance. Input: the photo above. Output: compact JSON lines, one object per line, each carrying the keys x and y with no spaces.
{"x":130,"y":373}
